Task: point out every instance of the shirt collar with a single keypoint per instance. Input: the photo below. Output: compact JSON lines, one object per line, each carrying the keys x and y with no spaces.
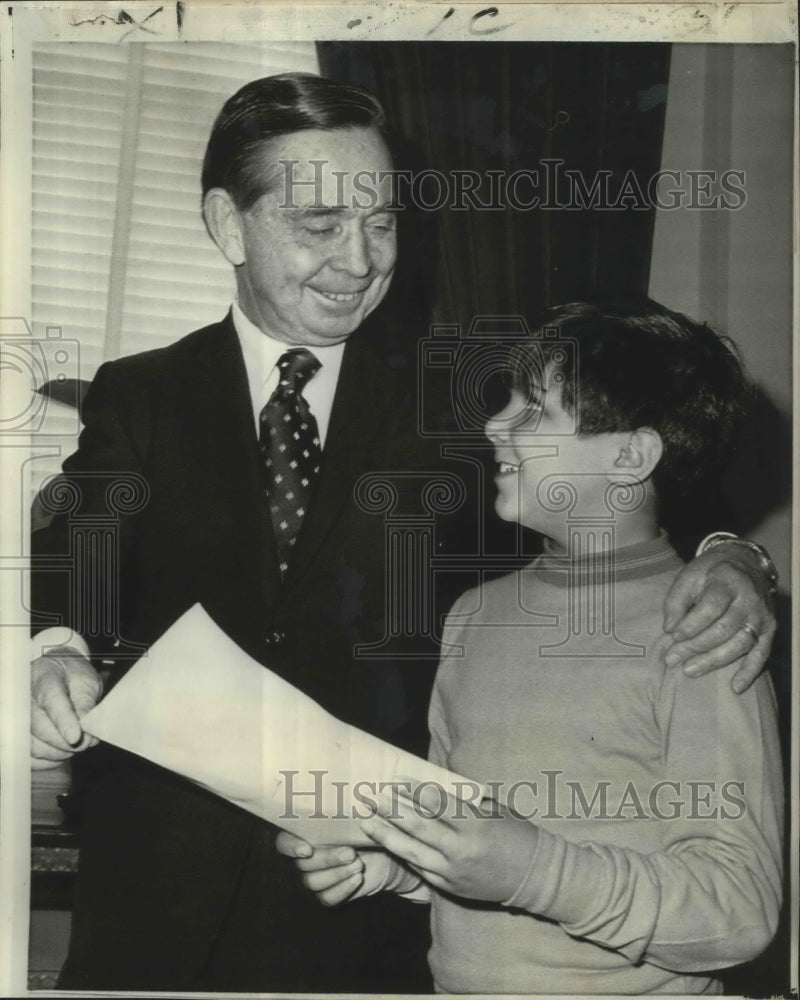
{"x":262,"y":351}
{"x":632,"y":562}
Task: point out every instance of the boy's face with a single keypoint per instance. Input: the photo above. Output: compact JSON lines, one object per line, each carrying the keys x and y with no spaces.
{"x":535,"y":437}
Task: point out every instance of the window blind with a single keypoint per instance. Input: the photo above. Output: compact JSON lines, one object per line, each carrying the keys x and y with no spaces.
{"x":78,"y":100}
{"x":121,"y":261}
{"x":176,"y":278}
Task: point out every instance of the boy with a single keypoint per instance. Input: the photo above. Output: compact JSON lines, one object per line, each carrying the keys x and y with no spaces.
{"x":632,"y":841}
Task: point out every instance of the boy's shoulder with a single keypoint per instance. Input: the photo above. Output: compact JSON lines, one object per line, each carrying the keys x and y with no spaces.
{"x":633,"y":589}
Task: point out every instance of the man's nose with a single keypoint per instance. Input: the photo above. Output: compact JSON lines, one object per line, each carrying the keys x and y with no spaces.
{"x":353,"y":254}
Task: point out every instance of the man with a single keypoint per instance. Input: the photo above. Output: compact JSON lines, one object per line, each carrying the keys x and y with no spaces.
{"x":179,"y":890}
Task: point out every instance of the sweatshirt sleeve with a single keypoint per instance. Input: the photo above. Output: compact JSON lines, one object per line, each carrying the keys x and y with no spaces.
{"x":440,"y":739}
{"x":710,"y":897}
{"x":450,"y":660}
{"x":419,"y":891}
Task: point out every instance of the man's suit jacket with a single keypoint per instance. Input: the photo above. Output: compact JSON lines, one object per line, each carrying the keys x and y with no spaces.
{"x":177,"y":888}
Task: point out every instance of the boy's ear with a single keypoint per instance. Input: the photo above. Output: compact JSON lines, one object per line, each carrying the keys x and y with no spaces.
{"x":640,"y":453}
{"x":224,"y":226}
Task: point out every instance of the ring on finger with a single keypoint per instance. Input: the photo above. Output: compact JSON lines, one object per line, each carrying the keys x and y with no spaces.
{"x":751,"y":631}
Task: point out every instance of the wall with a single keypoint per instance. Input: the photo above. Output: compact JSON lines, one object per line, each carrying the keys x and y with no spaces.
{"x":730,"y":107}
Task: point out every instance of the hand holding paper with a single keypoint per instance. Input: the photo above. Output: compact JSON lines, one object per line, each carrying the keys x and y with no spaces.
{"x":64,"y":687}
{"x":198,"y":705}
{"x":340,"y":874}
{"x":481,"y":852}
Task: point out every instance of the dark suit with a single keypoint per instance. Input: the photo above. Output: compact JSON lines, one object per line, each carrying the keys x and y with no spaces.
{"x":177,"y":889}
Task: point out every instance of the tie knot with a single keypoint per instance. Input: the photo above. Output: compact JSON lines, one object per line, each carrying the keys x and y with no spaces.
{"x":296,"y":367}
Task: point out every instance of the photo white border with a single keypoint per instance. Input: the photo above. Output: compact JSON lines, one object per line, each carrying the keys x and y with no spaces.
{"x":22,"y":24}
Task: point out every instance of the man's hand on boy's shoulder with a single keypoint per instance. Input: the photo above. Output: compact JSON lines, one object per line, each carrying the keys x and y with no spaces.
{"x":719,"y":611}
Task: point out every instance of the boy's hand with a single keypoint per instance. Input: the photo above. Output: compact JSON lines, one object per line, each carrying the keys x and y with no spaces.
{"x":338,"y":874}
{"x":707,"y":608}
{"x":479,"y":853}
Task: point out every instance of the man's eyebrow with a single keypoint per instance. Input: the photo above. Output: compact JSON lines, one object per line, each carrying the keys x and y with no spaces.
{"x":315,"y":211}
{"x":299,"y":214}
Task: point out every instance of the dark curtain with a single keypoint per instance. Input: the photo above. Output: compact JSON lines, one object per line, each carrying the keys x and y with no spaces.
{"x":496,"y":108}
{"x":506,"y":107}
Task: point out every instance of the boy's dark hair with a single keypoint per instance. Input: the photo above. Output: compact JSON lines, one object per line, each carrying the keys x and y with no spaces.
{"x":639,"y":364}
{"x":276,"y":106}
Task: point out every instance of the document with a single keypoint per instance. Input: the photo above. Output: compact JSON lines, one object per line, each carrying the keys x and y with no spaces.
{"x":199,"y":706}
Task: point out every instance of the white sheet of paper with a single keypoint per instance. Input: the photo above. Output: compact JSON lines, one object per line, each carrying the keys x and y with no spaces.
{"x":198,"y":705}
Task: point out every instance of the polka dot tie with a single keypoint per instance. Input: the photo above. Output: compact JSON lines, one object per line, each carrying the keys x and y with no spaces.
{"x":289,"y":442}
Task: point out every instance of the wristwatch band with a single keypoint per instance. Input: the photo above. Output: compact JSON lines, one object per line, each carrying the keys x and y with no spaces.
{"x":765,"y":562}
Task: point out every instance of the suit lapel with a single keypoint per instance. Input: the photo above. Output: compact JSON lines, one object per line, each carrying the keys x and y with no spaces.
{"x":222,"y":417}
{"x":359,"y":410}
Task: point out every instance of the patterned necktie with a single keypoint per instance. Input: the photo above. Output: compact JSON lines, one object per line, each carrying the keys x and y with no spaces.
{"x":289,"y":442}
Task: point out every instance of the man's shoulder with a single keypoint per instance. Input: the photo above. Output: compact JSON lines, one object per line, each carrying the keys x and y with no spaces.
{"x":199,"y":344}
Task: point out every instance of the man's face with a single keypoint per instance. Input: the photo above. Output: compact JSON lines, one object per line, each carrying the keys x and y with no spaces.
{"x":315,"y":264}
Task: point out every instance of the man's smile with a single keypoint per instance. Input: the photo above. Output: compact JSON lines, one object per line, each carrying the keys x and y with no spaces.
{"x":340,"y":298}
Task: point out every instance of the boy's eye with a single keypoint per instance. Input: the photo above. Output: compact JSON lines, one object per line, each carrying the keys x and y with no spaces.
{"x":320,"y":229}
{"x":534,"y":406}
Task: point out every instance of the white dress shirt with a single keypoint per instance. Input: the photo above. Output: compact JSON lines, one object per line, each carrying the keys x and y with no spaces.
{"x":261,"y":355}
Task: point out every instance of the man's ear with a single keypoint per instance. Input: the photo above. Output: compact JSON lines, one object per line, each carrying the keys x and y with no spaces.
{"x":640,"y":453}
{"x":224,"y":225}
